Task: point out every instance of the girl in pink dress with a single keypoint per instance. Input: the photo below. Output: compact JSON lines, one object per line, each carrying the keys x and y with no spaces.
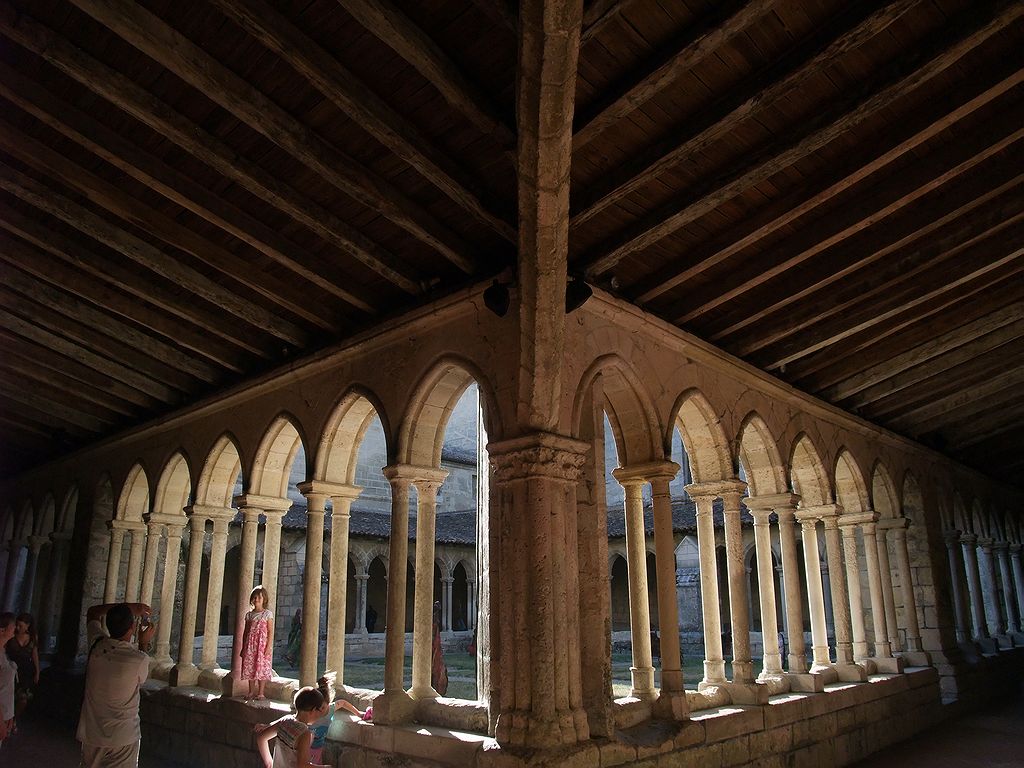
{"x":256,"y":643}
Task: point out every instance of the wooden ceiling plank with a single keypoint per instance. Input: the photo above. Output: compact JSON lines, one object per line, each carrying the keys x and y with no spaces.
{"x":900,"y":192}
{"x":88,"y":358}
{"x":764,"y":87}
{"x":699,"y":41}
{"x":15,"y":345}
{"x":43,"y":417}
{"x":65,"y":413}
{"x":597,"y":15}
{"x":503,"y":12}
{"x":970,"y":400}
{"x":147,"y":109}
{"x":828,"y":334}
{"x":152,"y":221}
{"x":29,"y":369}
{"x":48,"y":200}
{"x":355,"y":99}
{"x":710,"y":194}
{"x":72,"y":251}
{"x":1002,"y":413}
{"x":99,"y":293}
{"x":13,"y":422}
{"x":958,"y":308}
{"x":74,"y":309}
{"x":96,"y":341}
{"x":386,"y":22}
{"x":995,"y":426}
{"x":68,"y":398}
{"x":897,"y":374}
{"x":152,"y":36}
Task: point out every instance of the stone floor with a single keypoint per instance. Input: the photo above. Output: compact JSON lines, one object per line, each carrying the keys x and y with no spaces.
{"x":990,"y":739}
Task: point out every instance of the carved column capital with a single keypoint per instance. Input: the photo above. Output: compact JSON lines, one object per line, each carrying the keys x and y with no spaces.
{"x":538,"y":455}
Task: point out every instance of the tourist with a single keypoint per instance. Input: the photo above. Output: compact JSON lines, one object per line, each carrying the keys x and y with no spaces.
{"x":371,"y":618}
{"x":325,"y":716}
{"x":23,"y":650}
{"x":291,"y":653}
{"x":109,"y":726}
{"x":294,"y":733}
{"x":438,"y":669}
{"x":257,"y":643}
{"x":8,"y":673}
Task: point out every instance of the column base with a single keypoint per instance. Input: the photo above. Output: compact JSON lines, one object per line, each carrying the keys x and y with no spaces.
{"x":805,"y":682}
{"x":777,"y":682}
{"x":987,"y":645}
{"x":393,"y":708}
{"x":522,"y":728}
{"x":672,"y":705}
{"x":183,"y":675}
{"x":851,"y":673}
{"x":1005,"y":641}
{"x":747,"y":693}
{"x":212,"y":677}
{"x":642,"y":683}
{"x":889,"y":665}
{"x":419,"y":694}
{"x":917,"y":658}
{"x":714,"y":672}
{"x":742,"y":672}
{"x":1018,"y":639}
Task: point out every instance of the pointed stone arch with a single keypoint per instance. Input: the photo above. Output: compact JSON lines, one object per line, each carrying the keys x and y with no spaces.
{"x":760,"y":457}
{"x":25,"y":522}
{"x":851,"y":488}
{"x":133,"y":500}
{"x":961,"y":519}
{"x":338,"y":450}
{"x":216,"y":483}
{"x":883,"y":491}
{"x":174,"y":488}
{"x":979,"y":519}
{"x":68,"y":510}
{"x":47,"y":516}
{"x":274,"y":457}
{"x":707,"y":448}
{"x":807,"y":472}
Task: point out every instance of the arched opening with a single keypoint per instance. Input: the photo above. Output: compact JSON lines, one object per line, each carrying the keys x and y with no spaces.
{"x":377,"y":596}
{"x":461,"y":621}
{"x":619,"y":596}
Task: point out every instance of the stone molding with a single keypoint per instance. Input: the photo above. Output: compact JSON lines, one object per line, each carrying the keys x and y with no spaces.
{"x":538,"y":455}
{"x":715,"y":489}
{"x":646,"y":473}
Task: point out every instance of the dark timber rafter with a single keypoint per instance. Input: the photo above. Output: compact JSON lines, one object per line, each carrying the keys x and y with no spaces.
{"x":374,"y":115}
{"x":144,"y":107}
{"x":193,"y":65}
{"x":716,"y":122}
{"x":703,"y":40}
{"x":912,"y":74}
{"x":597,"y":15}
{"x":386,"y":22}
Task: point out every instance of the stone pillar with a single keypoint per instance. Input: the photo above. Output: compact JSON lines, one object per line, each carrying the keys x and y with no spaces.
{"x":739,"y":591}
{"x":35,"y":545}
{"x":360,"y":618}
{"x":956,"y":578}
{"x":761,"y":512}
{"x":991,"y":590}
{"x":312,"y":579}
{"x":133,"y":581}
{"x":714,"y":664}
{"x":427,"y":482}
{"x":13,"y":552}
{"x":393,"y":705}
{"x":185,"y":671}
{"x":815,"y":597}
{"x":1002,"y":550}
{"x":168,"y":590}
{"x":1018,"y":581}
{"x":154,"y":530}
{"x":215,"y":585}
{"x":796,"y":661}
{"x":113,"y":562}
{"x":342,"y":497}
{"x":899,"y":538}
{"x":885,"y":574}
{"x":848,"y":527}
{"x":969,"y":544}
{"x":246,"y":571}
{"x":539,"y":687}
{"x":446,"y":609}
{"x":838,"y":587}
{"x":471,"y":604}
{"x":672,"y":698}
{"x":642,"y":671}
{"x":882,"y":648}
{"x":55,"y":587}
{"x":272,"y":549}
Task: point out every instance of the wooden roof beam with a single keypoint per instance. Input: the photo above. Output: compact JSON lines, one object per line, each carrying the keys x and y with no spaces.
{"x":75,"y":252}
{"x":35,"y":413}
{"x":48,"y":200}
{"x":388,"y":24}
{"x":844,"y":232}
{"x":68,"y":400}
{"x":188,"y":61}
{"x":763,"y":88}
{"x":352,"y":97}
{"x":701,"y":40}
{"x":147,"y":109}
{"x":1003,"y":417}
{"x":503,"y":12}
{"x":597,"y":15}
{"x":911,"y":74}
{"x":970,"y":400}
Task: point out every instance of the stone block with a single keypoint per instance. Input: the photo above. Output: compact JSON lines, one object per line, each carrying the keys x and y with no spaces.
{"x":729,"y":722}
{"x":846,"y":719}
{"x":735,"y":751}
{"x":771,"y":741}
{"x":819,"y":755}
{"x":698,"y":757}
{"x":691,"y":733}
{"x":788,"y":708}
{"x":616,"y":753}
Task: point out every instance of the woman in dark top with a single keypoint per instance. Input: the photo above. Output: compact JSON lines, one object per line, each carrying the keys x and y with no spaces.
{"x":23,"y":650}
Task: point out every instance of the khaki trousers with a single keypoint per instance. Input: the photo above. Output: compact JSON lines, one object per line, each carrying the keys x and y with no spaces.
{"x":110,"y":757}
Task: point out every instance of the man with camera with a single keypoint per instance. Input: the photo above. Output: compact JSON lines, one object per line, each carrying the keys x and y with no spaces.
{"x":109,"y":726}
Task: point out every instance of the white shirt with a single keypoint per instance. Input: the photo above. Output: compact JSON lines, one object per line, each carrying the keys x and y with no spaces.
{"x":114,"y":672}
{"x":8,"y":673}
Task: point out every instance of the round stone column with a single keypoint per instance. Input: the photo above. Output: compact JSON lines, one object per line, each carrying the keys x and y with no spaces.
{"x":882,"y":647}
{"x":956,"y":579}
{"x":1002,"y":550}
{"x":152,"y":554}
{"x":815,"y":596}
{"x":899,"y":538}
{"x":714,"y":663}
{"x":168,"y":590}
{"x":772,"y":663}
{"x":133,"y":580}
{"x":642,"y":671}
{"x":838,"y":587}
{"x":342,"y":497}
{"x":1018,"y":581}
{"x":739,"y":592}
{"x":796,"y":661}
{"x":312,"y":578}
{"x":991,"y":590}
{"x":427,"y":483}
{"x":35,"y":546}
{"x":185,"y":671}
{"x":56,"y":580}
{"x":113,"y":562}
{"x":215,"y":586}
{"x":885,"y":573}
{"x":359,"y":627}
{"x":246,"y":571}
{"x":969,"y":542}
{"x":848,"y":528}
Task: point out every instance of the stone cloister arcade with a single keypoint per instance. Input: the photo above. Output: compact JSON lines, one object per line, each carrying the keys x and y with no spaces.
{"x":820,"y":486}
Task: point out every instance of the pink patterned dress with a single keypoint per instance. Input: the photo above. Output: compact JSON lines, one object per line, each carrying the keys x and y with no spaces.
{"x":256,"y":664}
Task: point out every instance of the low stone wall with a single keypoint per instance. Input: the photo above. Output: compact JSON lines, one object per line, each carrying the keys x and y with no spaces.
{"x":837,"y":727}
